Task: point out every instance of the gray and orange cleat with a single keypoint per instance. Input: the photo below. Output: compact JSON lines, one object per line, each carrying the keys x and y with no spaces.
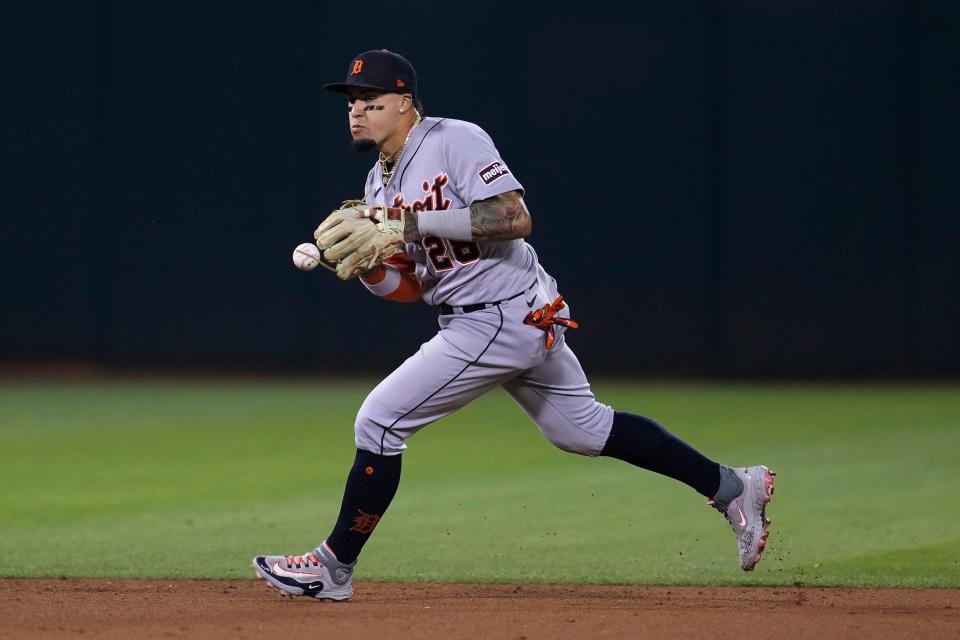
{"x":747,"y":513}
{"x":317,"y":574}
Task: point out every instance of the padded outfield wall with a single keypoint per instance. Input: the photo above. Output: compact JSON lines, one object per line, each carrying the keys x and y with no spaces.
{"x":720,"y":188}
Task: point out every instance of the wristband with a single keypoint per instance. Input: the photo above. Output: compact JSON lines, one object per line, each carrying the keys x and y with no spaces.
{"x":453,"y":224}
{"x":389,"y":280}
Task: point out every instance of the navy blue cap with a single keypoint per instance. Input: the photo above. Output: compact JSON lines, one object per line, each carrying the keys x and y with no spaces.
{"x":380,"y":70}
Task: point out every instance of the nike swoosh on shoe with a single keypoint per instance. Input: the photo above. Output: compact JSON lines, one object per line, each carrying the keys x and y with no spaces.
{"x":278,"y":570}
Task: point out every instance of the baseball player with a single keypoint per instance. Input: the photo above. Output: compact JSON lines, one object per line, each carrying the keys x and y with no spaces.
{"x":444,"y":221}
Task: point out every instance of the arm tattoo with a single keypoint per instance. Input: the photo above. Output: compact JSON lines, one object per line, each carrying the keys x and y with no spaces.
{"x":411,"y":232}
{"x":502,"y":217}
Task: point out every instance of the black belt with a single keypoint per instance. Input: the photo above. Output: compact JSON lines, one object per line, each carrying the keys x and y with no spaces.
{"x":446,"y":309}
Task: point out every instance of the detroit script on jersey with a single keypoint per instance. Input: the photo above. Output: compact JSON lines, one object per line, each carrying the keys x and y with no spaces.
{"x":449,"y":164}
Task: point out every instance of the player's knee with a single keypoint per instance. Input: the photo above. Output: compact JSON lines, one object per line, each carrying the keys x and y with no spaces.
{"x":372,"y":434}
{"x":582,"y":446}
{"x":583,"y":433}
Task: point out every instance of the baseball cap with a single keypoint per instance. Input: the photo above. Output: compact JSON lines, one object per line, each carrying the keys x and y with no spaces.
{"x":381,"y":70}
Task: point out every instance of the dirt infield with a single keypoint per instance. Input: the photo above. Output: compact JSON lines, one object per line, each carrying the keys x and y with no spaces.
{"x":134,"y":609}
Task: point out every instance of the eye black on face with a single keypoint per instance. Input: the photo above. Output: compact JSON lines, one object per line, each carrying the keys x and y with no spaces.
{"x":366,"y":97}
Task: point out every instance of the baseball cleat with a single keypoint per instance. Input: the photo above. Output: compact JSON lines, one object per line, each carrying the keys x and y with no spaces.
{"x":316,"y":574}
{"x":747,"y":513}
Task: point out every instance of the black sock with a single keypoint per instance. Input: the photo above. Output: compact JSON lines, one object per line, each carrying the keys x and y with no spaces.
{"x":644,"y":443}
{"x":371,"y":485}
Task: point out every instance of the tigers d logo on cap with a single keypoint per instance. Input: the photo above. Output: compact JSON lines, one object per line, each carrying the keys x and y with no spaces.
{"x":380,"y":70}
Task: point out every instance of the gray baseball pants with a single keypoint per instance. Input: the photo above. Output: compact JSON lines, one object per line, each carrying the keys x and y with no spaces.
{"x":470,"y":355}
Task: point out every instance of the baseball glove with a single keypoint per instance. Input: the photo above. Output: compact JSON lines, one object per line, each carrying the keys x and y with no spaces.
{"x":359,"y":237}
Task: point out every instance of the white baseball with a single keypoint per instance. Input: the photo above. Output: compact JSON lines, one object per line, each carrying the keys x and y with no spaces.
{"x":306,"y":256}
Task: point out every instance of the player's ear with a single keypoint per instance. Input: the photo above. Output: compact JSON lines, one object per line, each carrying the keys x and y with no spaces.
{"x":405,"y":102}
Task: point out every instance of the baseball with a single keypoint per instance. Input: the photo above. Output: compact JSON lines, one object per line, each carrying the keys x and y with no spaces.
{"x":306,"y":256}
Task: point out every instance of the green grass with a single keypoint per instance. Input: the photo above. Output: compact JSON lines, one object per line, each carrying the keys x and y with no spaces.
{"x":191,"y":479}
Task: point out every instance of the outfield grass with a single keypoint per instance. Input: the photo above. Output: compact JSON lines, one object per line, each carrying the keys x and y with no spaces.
{"x":191,"y":479}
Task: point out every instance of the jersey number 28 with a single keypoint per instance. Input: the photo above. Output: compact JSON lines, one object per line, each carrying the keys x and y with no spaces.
{"x":443,"y":252}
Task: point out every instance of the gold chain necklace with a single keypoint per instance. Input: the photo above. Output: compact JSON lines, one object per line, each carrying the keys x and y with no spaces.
{"x":385,"y":173}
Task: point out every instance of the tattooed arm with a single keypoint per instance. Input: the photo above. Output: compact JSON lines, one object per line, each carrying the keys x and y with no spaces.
{"x":502,"y":217}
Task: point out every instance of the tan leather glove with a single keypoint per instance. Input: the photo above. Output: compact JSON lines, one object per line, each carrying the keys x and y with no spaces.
{"x":354,"y":238}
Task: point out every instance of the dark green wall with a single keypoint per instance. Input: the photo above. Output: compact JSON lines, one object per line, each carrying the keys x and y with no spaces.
{"x":720,"y":188}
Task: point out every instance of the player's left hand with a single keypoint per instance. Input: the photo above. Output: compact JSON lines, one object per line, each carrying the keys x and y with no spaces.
{"x":353,"y":239}
{"x":349,"y":210}
{"x":345,"y":237}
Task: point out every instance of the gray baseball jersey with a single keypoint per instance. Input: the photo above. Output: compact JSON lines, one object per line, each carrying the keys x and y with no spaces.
{"x":450,"y":164}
